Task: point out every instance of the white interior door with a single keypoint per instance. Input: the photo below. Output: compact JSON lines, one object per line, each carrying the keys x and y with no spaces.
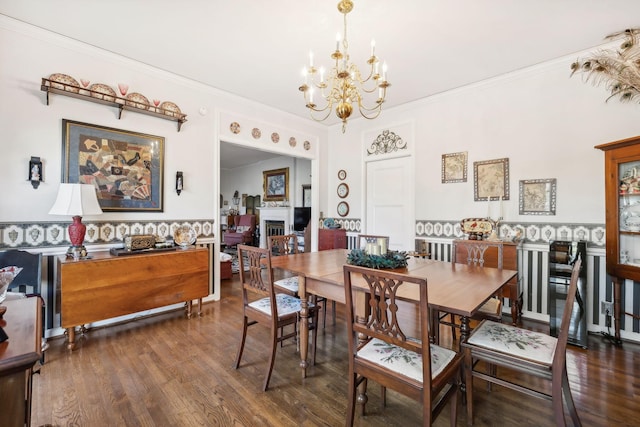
{"x":390,"y":201}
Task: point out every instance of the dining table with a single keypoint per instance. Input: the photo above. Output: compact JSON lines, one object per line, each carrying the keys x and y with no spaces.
{"x":455,"y":288}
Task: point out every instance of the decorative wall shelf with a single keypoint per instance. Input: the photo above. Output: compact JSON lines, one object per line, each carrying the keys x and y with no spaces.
{"x":114,"y":101}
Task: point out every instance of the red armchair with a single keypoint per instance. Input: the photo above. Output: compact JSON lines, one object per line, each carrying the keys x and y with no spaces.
{"x":243,"y":232}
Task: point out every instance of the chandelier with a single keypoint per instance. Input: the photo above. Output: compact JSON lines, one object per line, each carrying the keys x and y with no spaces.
{"x":344,"y":85}
{"x":619,"y":69}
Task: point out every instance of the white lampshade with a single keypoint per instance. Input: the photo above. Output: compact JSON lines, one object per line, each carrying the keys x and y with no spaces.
{"x":76,"y":199}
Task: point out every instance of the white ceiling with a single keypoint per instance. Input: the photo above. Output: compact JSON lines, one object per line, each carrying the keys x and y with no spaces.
{"x":256,"y":48}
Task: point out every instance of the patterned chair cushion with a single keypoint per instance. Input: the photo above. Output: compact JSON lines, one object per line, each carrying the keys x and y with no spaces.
{"x":516,"y":341}
{"x":286,"y":304}
{"x":403,"y":361}
{"x":289,"y":283}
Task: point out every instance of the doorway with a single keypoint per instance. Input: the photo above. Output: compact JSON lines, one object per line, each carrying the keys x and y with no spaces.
{"x":390,"y":201}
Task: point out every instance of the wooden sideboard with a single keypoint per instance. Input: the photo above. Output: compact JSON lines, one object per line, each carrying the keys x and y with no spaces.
{"x":107,"y":286}
{"x":23,"y":324}
{"x":496,"y":254}
{"x":332,"y":239}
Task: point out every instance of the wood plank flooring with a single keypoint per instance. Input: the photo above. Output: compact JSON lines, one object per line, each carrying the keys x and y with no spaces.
{"x":169,"y":371}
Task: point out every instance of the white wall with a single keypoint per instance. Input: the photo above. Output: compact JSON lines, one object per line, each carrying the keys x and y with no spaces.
{"x":545,"y":123}
{"x":249,"y":179}
{"x":31,"y":128}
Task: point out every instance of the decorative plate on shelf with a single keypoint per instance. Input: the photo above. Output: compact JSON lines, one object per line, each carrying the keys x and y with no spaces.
{"x":184,"y":236}
{"x":477,"y":225}
{"x":330,"y":223}
{"x":102,"y":91}
{"x":343,"y":190}
{"x":343,"y":209}
{"x":170,"y":109}
{"x":135,"y":99}
{"x":64,"y":82}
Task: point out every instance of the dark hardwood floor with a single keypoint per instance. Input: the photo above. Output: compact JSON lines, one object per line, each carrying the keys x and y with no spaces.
{"x":169,"y":371}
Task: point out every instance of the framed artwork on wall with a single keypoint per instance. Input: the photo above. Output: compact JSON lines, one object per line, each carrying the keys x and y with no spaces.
{"x":538,"y":196}
{"x":454,"y":167}
{"x":491,"y":180}
{"x":276,"y":185}
{"x":125,"y":167}
{"x":306,"y":195}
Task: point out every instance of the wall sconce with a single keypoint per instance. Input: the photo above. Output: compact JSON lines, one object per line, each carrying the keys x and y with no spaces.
{"x":35,"y":171}
{"x":179,"y":182}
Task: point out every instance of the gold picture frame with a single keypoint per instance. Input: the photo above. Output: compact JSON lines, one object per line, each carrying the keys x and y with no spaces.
{"x":126,"y":167}
{"x":275,"y":184}
{"x":454,"y":167}
{"x":491,"y":180}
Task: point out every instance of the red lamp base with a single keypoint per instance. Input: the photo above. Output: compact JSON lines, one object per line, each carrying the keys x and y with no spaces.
{"x":76,"y":231}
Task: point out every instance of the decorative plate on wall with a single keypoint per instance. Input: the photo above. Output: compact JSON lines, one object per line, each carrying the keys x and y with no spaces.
{"x":307,"y":145}
{"x":343,"y":190}
{"x":234,"y":127}
{"x":342,"y":174}
{"x":343,"y":209}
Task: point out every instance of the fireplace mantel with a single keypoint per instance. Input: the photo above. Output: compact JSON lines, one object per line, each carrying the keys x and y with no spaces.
{"x":281,"y":213}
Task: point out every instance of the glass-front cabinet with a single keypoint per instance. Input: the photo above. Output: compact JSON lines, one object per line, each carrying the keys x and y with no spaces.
{"x":622,"y":198}
{"x":629,"y":208}
{"x":622,"y":202}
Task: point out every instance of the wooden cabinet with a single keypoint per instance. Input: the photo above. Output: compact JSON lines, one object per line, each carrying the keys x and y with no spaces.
{"x":496,"y":254}
{"x":23,"y":324}
{"x":622,"y":200}
{"x":108,"y":286}
{"x":332,"y":239}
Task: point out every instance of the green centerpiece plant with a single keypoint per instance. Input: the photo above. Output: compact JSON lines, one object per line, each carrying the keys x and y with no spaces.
{"x":390,"y":260}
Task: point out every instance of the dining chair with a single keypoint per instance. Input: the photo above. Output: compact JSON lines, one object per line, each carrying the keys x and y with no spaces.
{"x":261,"y":304}
{"x":382,"y":349}
{"x":287,"y":244}
{"x":492,"y":309}
{"x":28,"y":282}
{"x":527,"y":352}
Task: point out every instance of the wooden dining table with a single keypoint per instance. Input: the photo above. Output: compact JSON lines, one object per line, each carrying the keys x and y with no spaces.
{"x":455,"y":288}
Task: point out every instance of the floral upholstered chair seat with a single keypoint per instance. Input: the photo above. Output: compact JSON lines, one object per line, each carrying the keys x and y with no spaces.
{"x":403,"y":361}
{"x":508,"y":339}
{"x":288,"y":283}
{"x":286,"y":304}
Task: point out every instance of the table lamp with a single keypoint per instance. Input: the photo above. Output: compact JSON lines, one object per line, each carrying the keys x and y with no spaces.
{"x":76,"y":200}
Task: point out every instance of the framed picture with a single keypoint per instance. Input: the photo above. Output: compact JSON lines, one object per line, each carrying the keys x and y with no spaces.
{"x":454,"y":167}
{"x":491,"y":180}
{"x":306,"y":195}
{"x":276,"y":185}
{"x":125,"y":167}
{"x":538,"y":197}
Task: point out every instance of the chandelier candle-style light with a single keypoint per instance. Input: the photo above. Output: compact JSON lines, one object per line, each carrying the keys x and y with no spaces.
{"x":619,"y":69}
{"x":344,"y":85}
